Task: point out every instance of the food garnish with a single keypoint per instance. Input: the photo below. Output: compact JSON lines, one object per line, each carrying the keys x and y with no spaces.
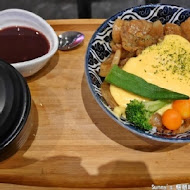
{"x":183,"y":107}
{"x":140,"y":112}
{"x":139,"y":86}
{"x":171,"y":119}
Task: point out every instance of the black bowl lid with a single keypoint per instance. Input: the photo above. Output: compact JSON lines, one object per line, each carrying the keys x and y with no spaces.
{"x":14,"y":102}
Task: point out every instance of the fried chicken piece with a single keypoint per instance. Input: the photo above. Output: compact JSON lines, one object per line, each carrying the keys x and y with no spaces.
{"x":115,"y":46}
{"x":116,"y":31}
{"x":157,"y":31}
{"x":185,"y":27}
{"x":139,"y":34}
{"x":171,"y":28}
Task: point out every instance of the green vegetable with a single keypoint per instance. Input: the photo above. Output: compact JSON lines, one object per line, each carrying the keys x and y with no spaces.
{"x":139,"y":86}
{"x":140,"y":112}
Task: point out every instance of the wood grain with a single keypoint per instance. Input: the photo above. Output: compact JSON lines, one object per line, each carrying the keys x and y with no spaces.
{"x":23,"y":187}
{"x":74,"y":144}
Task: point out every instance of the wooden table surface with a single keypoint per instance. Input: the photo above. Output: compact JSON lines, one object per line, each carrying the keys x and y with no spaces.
{"x":74,"y":144}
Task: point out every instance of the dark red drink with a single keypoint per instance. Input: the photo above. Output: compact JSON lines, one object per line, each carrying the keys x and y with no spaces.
{"x":18,"y":44}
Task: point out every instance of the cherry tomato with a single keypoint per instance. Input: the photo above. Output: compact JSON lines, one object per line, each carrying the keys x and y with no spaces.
{"x":171,"y":119}
{"x":183,"y":107}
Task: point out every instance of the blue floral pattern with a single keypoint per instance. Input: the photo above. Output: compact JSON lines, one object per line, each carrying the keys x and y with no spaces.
{"x":141,"y":11}
{"x":182,"y":16}
{"x":164,"y":15}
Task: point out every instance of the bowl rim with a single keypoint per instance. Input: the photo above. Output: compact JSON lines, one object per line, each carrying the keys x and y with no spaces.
{"x":129,"y":127}
{"x":51,"y":31}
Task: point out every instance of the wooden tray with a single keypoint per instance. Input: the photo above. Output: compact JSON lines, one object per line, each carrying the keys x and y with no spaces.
{"x":74,"y":144}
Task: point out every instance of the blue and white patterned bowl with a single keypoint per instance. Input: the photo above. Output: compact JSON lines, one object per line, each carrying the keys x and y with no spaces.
{"x":99,"y":49}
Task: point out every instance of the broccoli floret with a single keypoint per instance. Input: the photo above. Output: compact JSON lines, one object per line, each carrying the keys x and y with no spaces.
{"x":140,"y":112}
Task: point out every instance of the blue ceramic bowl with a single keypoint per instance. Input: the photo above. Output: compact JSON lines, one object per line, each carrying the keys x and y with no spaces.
{"x":99,"y":49}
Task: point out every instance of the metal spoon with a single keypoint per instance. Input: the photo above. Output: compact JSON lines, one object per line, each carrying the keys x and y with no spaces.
{"x":69,"y":40}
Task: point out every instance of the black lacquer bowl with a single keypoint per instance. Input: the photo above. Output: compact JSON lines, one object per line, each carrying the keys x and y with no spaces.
{"x":99,"y":49}
{"x":15,"y":106}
